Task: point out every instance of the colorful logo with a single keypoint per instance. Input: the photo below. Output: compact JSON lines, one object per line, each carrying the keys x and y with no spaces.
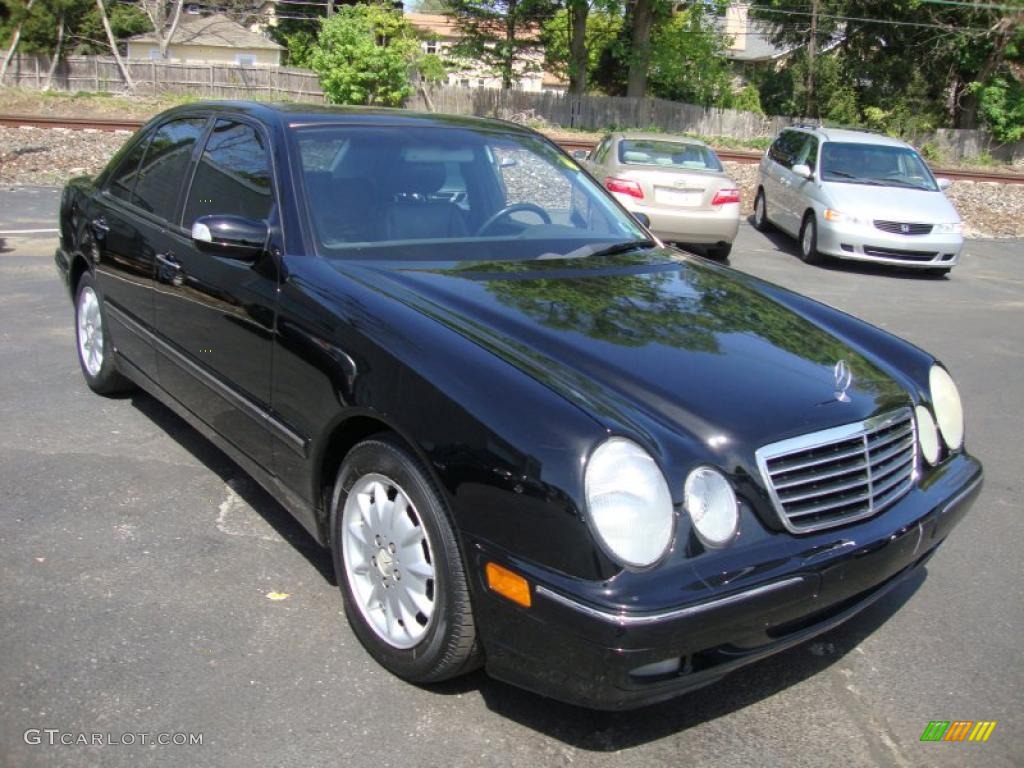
{"x":958,"y":730}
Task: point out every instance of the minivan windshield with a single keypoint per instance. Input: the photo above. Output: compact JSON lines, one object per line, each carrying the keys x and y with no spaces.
{"x":451,"y":193}
{"x":875,"y":164}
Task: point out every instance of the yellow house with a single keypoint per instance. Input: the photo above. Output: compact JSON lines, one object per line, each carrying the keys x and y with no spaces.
{"x":212,"y":39}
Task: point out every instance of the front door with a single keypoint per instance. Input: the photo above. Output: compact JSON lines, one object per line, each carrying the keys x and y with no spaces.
{"x":215,"y":312}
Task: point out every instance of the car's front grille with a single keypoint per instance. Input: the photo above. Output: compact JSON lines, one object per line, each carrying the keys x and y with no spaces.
{"x":843,"y":474}
{"x":899,"y":253}
{"x":903,"y":227}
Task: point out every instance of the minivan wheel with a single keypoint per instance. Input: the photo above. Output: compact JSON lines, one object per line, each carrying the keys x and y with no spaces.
{"x":399,"y":566}
{"x":95,"y":353}
{"x":761,"y":223}
{"x":809,"y":240}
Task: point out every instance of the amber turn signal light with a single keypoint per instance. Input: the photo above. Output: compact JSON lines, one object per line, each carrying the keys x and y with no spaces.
{"x":508,"y":584}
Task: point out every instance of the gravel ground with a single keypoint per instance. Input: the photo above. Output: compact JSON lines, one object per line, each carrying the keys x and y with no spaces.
{"x":51,"y":156}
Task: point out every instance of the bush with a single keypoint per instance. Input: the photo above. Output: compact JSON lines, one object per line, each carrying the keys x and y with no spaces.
{"x":747,"y":99}
{"x":1001,"y":104}
{"x":363,"y":55}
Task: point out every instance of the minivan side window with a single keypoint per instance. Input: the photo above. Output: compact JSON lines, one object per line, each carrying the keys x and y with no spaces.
{"x":233,"y":175}
{"x":122,"y":181}
{"x":809,"y":153}
{"x":784,"y":150}
{"x":163,"y":169}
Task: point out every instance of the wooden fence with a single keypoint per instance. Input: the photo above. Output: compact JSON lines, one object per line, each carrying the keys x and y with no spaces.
{"x":589,"y":112}
{"x":222,"y":81}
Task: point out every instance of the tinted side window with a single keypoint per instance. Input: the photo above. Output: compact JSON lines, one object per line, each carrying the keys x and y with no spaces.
{"x":785,"y":148}
{"x":122,"y":181}
{"x":809,"y":153}
{"x":233,"y":176}
{"x":163,"y":169}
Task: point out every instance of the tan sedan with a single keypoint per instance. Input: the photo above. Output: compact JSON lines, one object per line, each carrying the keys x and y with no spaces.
{"x":677,"y":182}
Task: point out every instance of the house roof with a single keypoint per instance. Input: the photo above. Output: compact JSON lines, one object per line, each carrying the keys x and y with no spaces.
{"x":216,"y":31}
{"x":444,"y":25}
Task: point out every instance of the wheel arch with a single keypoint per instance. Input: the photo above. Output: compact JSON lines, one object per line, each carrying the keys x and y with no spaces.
{"x":79,"y":266}
{"x":341,"y":438}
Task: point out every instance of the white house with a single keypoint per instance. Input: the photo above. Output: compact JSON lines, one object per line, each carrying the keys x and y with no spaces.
{"x":214,"y":39}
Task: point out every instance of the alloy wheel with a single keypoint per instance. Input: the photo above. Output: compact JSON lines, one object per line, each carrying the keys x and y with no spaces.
{"x":90,"y":331}
{"x":389,"y":561}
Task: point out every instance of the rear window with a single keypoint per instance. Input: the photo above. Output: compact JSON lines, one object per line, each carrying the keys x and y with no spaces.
{"x":676,"y":154}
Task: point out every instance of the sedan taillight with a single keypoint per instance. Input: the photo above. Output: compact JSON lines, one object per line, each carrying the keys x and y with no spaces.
{"x":624,"y":187}
{"x":726,"y":196}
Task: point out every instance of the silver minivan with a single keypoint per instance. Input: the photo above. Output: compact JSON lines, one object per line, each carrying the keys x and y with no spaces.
{"x":856,"y":195}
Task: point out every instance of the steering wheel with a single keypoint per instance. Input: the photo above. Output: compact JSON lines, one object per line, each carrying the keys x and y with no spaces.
{"x":510,"y":209}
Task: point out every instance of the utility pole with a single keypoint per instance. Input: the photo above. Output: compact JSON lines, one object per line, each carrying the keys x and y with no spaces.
{"x":330,"y":8}
{"x":812,"y":50}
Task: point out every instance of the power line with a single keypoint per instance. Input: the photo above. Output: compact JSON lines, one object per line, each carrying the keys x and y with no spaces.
{"x":891,"y":22}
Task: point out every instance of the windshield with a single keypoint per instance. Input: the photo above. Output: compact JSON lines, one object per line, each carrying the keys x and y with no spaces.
{"x":673,"y":154}
{"x":443,"y":192}
{"x":875,"y":164}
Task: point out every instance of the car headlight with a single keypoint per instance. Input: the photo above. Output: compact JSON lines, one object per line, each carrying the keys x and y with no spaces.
{"x":949,"y":412}
{"x":711,"y":504}
{"x":839,"y":216}
{"x":629,"y":504}
{"x":949,"y":228}
{"x":927,"y":434}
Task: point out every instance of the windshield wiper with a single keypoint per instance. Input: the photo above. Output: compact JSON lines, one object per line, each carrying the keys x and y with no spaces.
{"x":629,"y":245}
{"x":855,"y":179}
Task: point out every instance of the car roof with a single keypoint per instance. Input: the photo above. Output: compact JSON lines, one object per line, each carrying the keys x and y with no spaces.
{"x":849,"y":136}
{"x":641,"y":136}
{"x":294,"y":115}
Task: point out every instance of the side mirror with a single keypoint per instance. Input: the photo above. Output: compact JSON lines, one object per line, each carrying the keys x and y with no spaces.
{"x":643,"y":218}
{"x":579,"y":155}
{"x":804,"y":171}
{"x":944,"y":183}
{"x":233,"y":236}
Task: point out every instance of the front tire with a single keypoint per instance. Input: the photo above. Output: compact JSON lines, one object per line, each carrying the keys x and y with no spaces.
{"x":761,"y":223}
{"x":399,"y":566}
{"x":809,"y":240}
{"x":95,"y":352}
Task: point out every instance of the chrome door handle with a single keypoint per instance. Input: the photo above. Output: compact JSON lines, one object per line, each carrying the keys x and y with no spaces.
{"x":99,"y":226}
{"x":168,"y":260}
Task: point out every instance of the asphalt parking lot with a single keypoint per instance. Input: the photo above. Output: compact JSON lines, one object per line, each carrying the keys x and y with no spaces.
{"x":136,"y":563}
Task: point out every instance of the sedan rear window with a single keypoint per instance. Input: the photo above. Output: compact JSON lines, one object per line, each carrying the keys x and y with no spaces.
{"x":675,"y":154}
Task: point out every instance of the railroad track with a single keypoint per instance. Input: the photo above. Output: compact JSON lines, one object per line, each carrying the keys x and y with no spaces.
{"x":566,"y":142}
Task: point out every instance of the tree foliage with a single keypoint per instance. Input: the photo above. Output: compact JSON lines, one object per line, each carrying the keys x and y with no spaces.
{"x":363,"y":56}
{"x":904,"y":65}
{"x":687,"y":61}
{"x":502,"y":35}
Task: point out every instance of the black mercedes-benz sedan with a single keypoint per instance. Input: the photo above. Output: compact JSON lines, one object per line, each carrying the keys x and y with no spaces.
{"x":534,"y":438}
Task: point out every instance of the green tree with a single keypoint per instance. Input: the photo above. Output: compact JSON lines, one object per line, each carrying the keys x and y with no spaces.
{"x":602,"y":29}
{"x":687,"y":60}
{"x":363,"y":56}
{"x":1001,"y":103}
{"x":501,"y":35}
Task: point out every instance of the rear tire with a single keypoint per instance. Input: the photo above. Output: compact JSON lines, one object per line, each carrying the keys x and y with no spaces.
{"x":761,"y":223}
{"x":399,"y":566}
{"x":719,"y":252}
{"x":95,"y":352}
{"x":809,"y":240}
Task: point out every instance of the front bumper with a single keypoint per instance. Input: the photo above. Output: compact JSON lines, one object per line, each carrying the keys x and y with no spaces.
{"x":867,"y":243}
{"x":576,"y":650}
{"x":689,"y":225}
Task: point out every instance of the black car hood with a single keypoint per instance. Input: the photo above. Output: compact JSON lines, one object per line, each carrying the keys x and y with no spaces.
{"x":651,"y":336}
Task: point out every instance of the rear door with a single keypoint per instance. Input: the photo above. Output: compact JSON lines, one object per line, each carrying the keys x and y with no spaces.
{"x":216,"y":313}
{"x":129,"y":229}
{"x":778,"y":179}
